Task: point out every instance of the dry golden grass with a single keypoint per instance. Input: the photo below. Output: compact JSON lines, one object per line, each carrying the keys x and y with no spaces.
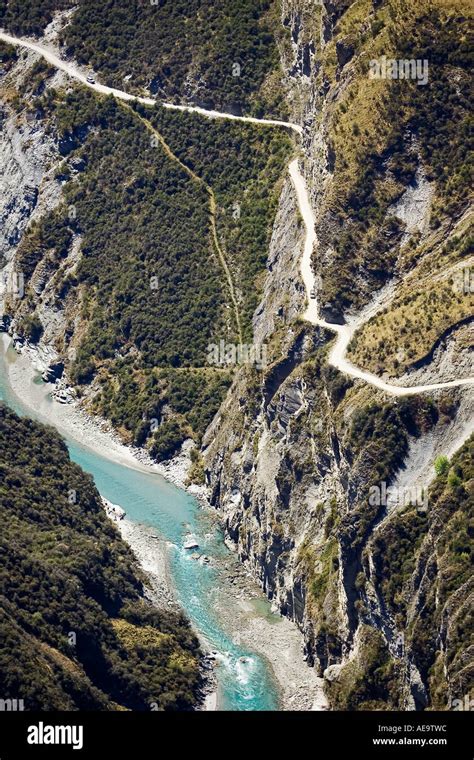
{"x":432,"y":299}
{"x":133,"y":636}
{"x":406,"y":333}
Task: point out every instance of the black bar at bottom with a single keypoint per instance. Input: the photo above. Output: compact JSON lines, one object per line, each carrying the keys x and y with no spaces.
{"x":316,"y":735}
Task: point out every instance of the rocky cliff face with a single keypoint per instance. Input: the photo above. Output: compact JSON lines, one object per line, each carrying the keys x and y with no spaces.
{"x":295,"y":451}
{"x":27,"y":154}
{"x":32,"y":189}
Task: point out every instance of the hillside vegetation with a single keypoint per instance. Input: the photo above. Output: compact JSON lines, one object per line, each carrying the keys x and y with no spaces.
{"x":422,"y":573}
{"x":385,"y":135}
{"x":30,"y":17}
{"x":76,"y":630}
{"x":149,"y":283}
{"x":244,"y":165}
{"x":147,"y":286}
{"x":217,"y":53}
{"x":220,"y":54}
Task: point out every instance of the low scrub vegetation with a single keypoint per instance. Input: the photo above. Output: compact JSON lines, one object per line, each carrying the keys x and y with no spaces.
{"x":149,"y":283}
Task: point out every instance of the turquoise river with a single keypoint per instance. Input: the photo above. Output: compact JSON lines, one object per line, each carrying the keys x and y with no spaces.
{"x":245,"y":681}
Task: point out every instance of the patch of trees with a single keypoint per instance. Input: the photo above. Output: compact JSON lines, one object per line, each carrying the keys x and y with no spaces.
{"x":152,"y":288}
{"x":30,"y":17}
{"x":49,"y":238}
{"x":216,"y":53}
{"x":76,"y":630}
{"x":337,"y":384}
{"x":244,"y":165}
{"x":148,"y":268}
{"x":8,"y":54}
{"x":132,"y":401}
{"x":30,"y":327}
{"x":167,"y":440}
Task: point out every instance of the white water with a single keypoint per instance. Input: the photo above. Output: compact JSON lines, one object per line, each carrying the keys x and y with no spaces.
{"x":344,"y":333}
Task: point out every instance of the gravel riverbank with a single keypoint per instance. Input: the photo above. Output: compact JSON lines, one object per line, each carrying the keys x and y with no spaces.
{"x":243,"y":609}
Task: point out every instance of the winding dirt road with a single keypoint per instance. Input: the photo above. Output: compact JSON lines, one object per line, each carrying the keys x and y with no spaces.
{"x":59,"y":63}
{"x":337,"y":356}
